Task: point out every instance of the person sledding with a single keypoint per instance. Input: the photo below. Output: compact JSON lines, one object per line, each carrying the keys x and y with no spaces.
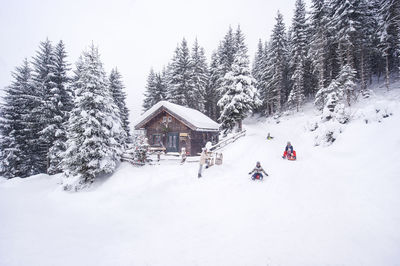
{"x":257,"y":172}
{"x":269,"y":137}
{"x":289,"y":153}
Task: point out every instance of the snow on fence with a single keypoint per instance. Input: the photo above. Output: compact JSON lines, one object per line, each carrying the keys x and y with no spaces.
{"x":156,"y":156}
{"x":227,"y":141}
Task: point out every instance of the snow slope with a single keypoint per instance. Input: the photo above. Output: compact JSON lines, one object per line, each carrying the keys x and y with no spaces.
{"x":336,"y":205}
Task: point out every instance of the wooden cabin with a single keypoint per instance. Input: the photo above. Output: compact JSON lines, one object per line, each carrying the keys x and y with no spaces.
{"x":173,"y":127}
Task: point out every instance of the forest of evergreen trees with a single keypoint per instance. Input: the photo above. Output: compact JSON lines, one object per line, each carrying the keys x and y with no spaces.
{"x":330,"y":54}
{"x":52,"y":123}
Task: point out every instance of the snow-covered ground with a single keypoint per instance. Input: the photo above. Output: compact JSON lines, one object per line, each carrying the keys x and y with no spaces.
{"x":335,"y":205}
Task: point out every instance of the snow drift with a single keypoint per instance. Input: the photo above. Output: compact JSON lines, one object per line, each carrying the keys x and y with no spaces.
{"x":335,"y":205}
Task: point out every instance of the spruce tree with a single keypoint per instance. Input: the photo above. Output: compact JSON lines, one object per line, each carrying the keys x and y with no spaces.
{"x":211,"y":94}
{"x":199,"y":76}
{"x":149,"y":95}
{"x":17,"y":156}
{"x":239,"y":95}
{"x":226,"y":52}
{"x":64,"y":107}
{"x":390,"y":36}
{"x":277,"y":69}
{"x":299,"y":45}
{"x":118,"y":92}
{"x":94,"y":127}
{"x":318,"y":51}
{"x":181,"y":86}
{"x":258,"y":64}
{"x":47,"y":116}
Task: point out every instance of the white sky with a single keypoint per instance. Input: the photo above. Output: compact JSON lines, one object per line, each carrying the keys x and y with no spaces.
{"x":133,"y":35}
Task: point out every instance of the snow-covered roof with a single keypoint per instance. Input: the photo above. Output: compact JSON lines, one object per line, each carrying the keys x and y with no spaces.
{"x":194,"y":119}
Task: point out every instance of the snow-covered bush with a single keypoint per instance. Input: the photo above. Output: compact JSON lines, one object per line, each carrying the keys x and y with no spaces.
{"x":327,"y":132}
{"x":141,"y":148}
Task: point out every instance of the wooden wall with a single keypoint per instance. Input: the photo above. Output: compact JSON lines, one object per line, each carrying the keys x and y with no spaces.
{"x":194,"y":140}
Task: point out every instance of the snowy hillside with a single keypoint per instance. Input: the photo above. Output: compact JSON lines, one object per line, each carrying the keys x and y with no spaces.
{"x":335,"y":205}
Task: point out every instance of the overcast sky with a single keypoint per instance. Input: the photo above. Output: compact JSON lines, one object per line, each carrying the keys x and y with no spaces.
{"x":133,"y":35}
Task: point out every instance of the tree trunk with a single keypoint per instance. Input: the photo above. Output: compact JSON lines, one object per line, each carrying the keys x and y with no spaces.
{"x":387,"y":73}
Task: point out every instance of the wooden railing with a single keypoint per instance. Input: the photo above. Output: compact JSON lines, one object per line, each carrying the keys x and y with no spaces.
{"x":227,"y":141}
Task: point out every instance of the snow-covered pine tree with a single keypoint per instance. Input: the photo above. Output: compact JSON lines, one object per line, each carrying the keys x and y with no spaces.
{"x":200,"y":75}
{"x":347,"y":82}
{"x":256,"y":71}
{"x":331,"y":100}
{"x":296,"y":96}
{"x":48,"y":115}
{"x":17,"y":158}
{"x":368,"y":45}
{"x":64,"y":106}
{"x":299,"y":45}
{"x":239,"y":95}
{"x":390,"y":36}
{"x":162,"y":81}
{"x":277,"y":67}
{"x":226,"y":51}
{"x":119,"y":96}
{"x":347,"y":19}
{"x":327,"y":98}
{"x":94,"y":126}
{"x":181,"y":87}
{"x":211,"y":94}
{"x":156,"y":88}
{"x":266,"y":75}
{"x":318,"y":51}
{"x":149,"y":95}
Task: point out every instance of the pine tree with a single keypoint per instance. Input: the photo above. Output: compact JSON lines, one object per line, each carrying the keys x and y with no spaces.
{"x":298,"y":58}
{"x":277,"y":68}
{"x":119,"y":96}
{"x":258,"y":63}
{"x":239,"y":95}
{"x":47,"y":116}
{"x":226,"y":52}
{"x":63,"y":106}
{"x":211,"y":94}
{"x":149,"y":96}
{"x":347,"y":81}
{"x":161,"y":92}
{"x":331,"y":99}
{"x":17,"y":157}
{"x":199,"y":76}
{"x":319,"y":41}
{"x":390,"y":36}
{"x":181,"y":86}
{"x":267,"y":72}
{"x":94,"y":126}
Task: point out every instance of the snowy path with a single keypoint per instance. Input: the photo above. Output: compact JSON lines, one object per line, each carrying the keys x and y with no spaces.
{"x":334,"y":206}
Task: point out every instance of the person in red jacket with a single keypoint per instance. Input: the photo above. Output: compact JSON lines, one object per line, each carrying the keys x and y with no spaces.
{"x":289,"y":153}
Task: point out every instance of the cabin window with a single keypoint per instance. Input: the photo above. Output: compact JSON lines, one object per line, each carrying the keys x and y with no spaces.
{"x":169,"y":119}
{"x":157,"y":140}
{"x":164,"y":119}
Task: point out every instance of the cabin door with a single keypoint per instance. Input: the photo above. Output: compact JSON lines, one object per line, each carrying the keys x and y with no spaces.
{"x":173,"y":142}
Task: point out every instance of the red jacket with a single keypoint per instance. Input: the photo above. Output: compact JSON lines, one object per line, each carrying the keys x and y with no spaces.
{"x":293,"y":154}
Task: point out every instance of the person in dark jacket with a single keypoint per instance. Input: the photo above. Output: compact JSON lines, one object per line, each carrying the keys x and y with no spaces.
{"x":289,"y":146}
{"x":258,"y":170}
{"x":289,"y":151}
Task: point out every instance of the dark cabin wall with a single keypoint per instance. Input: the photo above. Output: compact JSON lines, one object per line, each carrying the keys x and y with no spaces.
{"x":157,"y":126}
{"x":194,"y":141}
{"x":199,"y":140}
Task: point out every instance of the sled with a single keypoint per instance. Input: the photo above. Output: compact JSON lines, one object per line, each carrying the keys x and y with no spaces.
{"x":257,"y":177}
{"x":292,"y":158}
